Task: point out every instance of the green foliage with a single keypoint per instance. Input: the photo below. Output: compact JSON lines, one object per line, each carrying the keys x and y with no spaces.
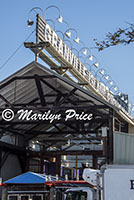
{"x":121,"y":36}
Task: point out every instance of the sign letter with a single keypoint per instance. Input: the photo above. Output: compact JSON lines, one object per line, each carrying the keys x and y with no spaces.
{"x":132,"y":184}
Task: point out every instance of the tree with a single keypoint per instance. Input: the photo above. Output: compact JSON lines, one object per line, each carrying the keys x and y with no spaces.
{"x":121,"y":36}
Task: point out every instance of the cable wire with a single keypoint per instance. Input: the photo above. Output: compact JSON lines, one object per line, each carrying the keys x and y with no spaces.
{"x":16,"y":50}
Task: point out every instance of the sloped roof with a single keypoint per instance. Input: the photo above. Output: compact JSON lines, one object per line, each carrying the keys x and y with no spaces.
{"x":36,"y":68}
{"x":22,"y":90}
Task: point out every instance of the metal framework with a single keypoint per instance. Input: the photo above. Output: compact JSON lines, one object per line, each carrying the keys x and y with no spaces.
{"x":39,"y":89}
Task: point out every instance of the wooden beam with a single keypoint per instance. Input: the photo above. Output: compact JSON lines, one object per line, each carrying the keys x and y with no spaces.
{"x":70,"y":138}
{"x":40,"y":90}
{"x":12,"y":148}
{"x":76,"y":152}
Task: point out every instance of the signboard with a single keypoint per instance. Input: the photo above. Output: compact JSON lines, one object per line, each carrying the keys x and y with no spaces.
{"x":119,"y":183}
{"x":59,"y":50}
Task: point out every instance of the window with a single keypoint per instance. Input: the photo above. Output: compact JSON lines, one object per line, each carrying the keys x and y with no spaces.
{"x":12,"y":197}
{"x":76,"y":195}
{"x":24,"y":197}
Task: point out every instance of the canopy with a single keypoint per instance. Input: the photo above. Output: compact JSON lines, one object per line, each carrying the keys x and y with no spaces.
{"x":30,"y":177}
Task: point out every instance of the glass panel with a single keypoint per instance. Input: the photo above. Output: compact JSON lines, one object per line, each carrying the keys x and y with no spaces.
{"x":37,"y":197}
{"x":12,"y":197}
{"x":76,"y":195}
{"x":25,"y":197}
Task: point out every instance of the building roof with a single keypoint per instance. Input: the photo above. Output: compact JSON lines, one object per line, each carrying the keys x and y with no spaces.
{"x":35,"y":87}
{"x":36,"y":68}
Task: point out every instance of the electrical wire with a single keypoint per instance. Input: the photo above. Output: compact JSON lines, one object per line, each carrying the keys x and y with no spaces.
{"x":16,"y":50}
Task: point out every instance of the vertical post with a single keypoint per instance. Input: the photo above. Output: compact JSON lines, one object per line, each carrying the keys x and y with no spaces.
{"x":95,"y":162}
{"x":110,"y":137}
{"x":37,"y":41}
{"x":76,"y":166}
{"x":104,"y":140}
{"x":58,"y":165}
{"x":98,"y":187}
{"x":0,"y":161}
{"x":27,"y":161}
{"x":41,"y":164}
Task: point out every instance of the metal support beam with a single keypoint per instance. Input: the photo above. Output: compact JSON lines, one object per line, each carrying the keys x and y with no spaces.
{"x":11,"y":148}
{"x":3,"y":158}
{"x":40,"y":90}
{"x":95,"y":162}
{"x":67,"y":96}
{"x":110,"y":137}
{"x":58,"y":165}
{"x":75,"y":152}
{"x":0,"y":159}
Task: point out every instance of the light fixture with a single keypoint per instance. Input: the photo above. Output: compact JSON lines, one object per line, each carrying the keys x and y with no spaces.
{"x":84,"y":52}
{"x":68,"y":34}
{"x":60,"y":18}
{"x":90,"y":57}
{"x":115,"y":88}
{"x":64,"y":157}
{"x":53,"y":159}
{"x":111,"y":82}
{"x":77,"y":40}
{"x":86,"y":164}
{"x":133,"y":108}
{"x":129,"y":104}
{"x":96,"y":64}
{"x":126,"y":101}
{"x":106,"y":77}
{"x":102,"y":71}
{"x":67,"y":164}
{"x":30,"y":22}
{"x":119,"y":93}
{"x":84,"y":48}
{"x":122,"y":98}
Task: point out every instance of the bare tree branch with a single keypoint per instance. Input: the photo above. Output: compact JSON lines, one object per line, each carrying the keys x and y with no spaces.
{"x":121,"y":36}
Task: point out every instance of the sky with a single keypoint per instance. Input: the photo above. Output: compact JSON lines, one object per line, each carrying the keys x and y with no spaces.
{"x":91,"y":19}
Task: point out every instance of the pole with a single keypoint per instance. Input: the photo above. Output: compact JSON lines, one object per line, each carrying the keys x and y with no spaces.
{"x":37,"y":41}
{"x":110,"y":137}
{"x":76,"y":166}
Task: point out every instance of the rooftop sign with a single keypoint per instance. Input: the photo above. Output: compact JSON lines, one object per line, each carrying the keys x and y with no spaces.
{"x":59,"y":50}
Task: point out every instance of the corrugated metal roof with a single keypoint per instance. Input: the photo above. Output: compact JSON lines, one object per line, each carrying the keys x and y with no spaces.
{"x":20,"y":91}
{"x":36,"y":68}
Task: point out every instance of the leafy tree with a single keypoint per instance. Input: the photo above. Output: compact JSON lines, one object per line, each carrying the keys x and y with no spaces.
{"x":121,"y":36}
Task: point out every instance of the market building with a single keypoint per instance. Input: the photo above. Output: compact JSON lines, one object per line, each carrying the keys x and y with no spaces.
{"x":50,"y":123}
